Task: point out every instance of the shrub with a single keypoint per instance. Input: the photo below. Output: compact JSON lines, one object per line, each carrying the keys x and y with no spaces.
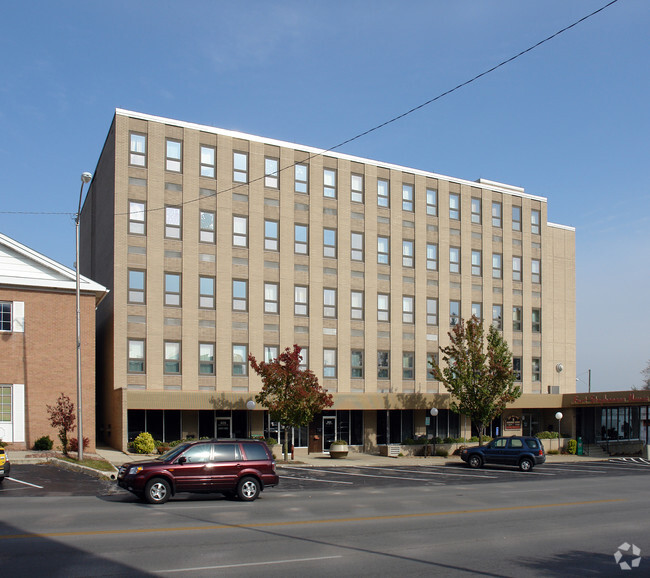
{"x":572,"y":447}
{"x":339,"y":443}
{"x":271,"y":441}
{"x":553,"y":452}
{"x":144,"y":444}
{"x":442,"y":452}
{"x":43,"y":443}
{"x":546,"y":435}
{"x":74,"y":444}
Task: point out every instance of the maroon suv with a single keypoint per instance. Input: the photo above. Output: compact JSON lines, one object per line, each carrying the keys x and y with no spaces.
{"x":230,"y":467}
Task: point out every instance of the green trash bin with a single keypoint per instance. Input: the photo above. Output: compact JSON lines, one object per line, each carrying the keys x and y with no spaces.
{"x":579,"y":446}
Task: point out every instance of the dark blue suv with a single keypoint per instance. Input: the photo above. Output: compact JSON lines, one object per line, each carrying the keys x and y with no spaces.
{"x":523,"y":451}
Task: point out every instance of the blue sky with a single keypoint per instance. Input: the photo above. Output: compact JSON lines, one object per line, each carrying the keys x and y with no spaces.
{"x":569,"y":121}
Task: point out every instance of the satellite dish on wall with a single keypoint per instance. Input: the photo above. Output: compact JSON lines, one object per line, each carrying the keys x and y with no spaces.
{"x":559,"y":368}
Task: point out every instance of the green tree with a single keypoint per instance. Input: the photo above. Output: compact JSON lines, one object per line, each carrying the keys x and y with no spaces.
{"x":62,"y":416}
{"x":478,"y":373}
{"x":292,"y":395}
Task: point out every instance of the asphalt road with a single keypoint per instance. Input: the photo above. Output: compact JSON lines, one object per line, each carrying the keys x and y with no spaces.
{"x":341,"y":521}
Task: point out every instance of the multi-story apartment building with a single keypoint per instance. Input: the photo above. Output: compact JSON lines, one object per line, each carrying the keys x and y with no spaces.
{"x":216,"y":244}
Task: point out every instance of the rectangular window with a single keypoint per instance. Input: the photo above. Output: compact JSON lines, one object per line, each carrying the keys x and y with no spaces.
{"x":304,"y":359}
{"x":454,"y":206}
{"x":383,"y":193}
{"x":408,"y":309}
{"x":476,"y":211}
{"x":536,"y":271}
{"x":300,"y":300}
{"x":535,"y":221}
{"x":516,"y":319}
{"x":477,"y":311}
{"x":270,"y":353}
{"x":432,"y":311}
{"x":136,"y":361}
{"x":497,"y":221}
{"x":356,"y":188}
{"x":383,"y":365}
{"x":329,"y":243}
{"x":271,"y":178}
{"x":239,"y":360}
{"x":240,"y":231}
{"x":173,"y":222}
{"x":431,"y":358}
{"x":208,"y":164}
{"x":240,"y":167}
{"x":5,"y":316}
{"x":454,"y":259}
{"x":136,"y":286}
{"x":516,"y":368}
{"x":356,"y":305}
{"x":497,"y":266}
{"x":432,"y":257}
{"x":516,"y":268}
{"x":536,"y":319}
{"x":408,"y":365}
{"x":383,"y":250}
{"x":407,"y":253}
{"x":476,"y":263}
{"x":271,"y":298}
{"x":137,"y":214}
{"x":301,"y":175}
{"x":174,"y":156}
{"x":206,"y":235}
{"x":329,"y":363}
{"x":5,"y":403}
{"x":172,"y":357}
{"x":173,"y":289}
{"x":301,"y":239}
{"x":206,"y":292}
{"x":537,"y":371}
{"x":271,"y":235}
{"x":329,"y":303}
{"x":329,"y":183}
{"x":407,"y":197}
{"x":206,"y":358}
{"x":356,"y":246}
{"x":239,"y":295}
{"x":383,"y":307}
{"x":497,"y":316}
{"x":356,"y":364}
{"x":432,"y":202}
{"x":516,"y":218}
{"x":138,"y":150}
{"x":454,"y":313}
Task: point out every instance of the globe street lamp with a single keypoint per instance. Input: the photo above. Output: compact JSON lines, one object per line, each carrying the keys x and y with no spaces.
{"x":250,"y":406}
{"x":558,"y":417}
{"x":434,"y":413}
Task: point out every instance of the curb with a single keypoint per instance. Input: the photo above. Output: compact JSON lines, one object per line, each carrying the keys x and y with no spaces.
{"x":102,"y":475}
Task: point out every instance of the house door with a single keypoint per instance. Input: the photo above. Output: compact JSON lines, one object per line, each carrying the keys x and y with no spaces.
{"x":223,"y":427}
{"x":329,"y":431}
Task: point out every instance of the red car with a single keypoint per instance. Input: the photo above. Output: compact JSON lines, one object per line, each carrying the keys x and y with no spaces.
{"x":231,"y":467}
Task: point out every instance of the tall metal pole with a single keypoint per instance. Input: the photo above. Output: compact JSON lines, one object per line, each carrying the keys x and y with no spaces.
{"x":589,"y":380}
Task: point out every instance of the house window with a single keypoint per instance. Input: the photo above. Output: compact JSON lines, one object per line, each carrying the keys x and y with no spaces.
{"x":356,"y":305}
{"x":239,"y":360}
{"x":5,"y":314}
{"x":432,"y":257}
{"x":454,"y":259}
{"x":206,"y":292}
{"x":136,"y":287}
{"x":329,"y":362}
{"x":271,"y":178}
{"x":497,"y":266}
{"x":536,"y":319}
{"x":454,"y":206}
{"x":239,"y":295}
{"x":240,"y":167}
{"x":476,"y":211}
{"x":270,"y":353}
{"x":271,"y":235}
{"x":173,"y":158}
{"x":535,"y":220}
{"x":329,"y":183}
{"x":300,"y":300}
{"x":516,"y":268}
{"x":537,"y":371}
{"x":454,"y":312}
{"x":383,"y":365}
{"x":329,"y":303}
{"x":173,"y":222}
{"x":496,"y":215}
{"x":535,"y":271}
{"x":356,"y":246}
{"x":356,"y":364}
{"x":206,"y":358}
{"x":206,"y":235}
{"x":138,"y":150}
{"x":137,"y":214}
{"x":476,"y":263}
{"x":208,"y":164}
{"x":516,"y":318}
{"x":240,"y":231}
{"x":383,"y":250}
{"x":431,"y":359}
{"x":477,"y":311}
{"x":432,"y":202}
{"x":408,"y":365}
{"x":407,"y":197}
{"x":173,"y":289}
{"x":271,"y":298}
{"x":172,"y":357}
{"x":408,"y":309}
{"x":356,"y":187}
{"x":5,"y":403}
{"x":383,"y":193}
{"x":516,"y":218}
{"x":136,"y":361}
{"x":383,"y":307}
{"x":304,"y":359}
{"x":516,"y":368}
{"x":300,"y":179}
{"x":301,"y":239}
{"x":329,"y":243}
{"x":407,"y":253}
{"x":432,"y":311}
{"x":497,"y":316}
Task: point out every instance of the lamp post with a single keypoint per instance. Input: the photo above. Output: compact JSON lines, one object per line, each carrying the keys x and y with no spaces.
{"x":588,"y":380}
{"x":558,"y":417}
{"x":250,"y":406}
{"x":85,"y":179}
{"x":434,"y":413}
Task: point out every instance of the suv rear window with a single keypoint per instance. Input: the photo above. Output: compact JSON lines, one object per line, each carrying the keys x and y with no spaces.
{"x":532,"y":444}
{"x":255,"y":452}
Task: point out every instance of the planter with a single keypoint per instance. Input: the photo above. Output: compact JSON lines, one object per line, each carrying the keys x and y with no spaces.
{"x":338,"y":451}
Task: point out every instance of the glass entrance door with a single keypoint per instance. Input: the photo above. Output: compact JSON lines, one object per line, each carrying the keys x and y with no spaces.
{"x":223,"y":427}
{"x":329,"y":431}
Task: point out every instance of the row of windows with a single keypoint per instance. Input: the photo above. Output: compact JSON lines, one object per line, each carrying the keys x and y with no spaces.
{"x":206,"y":361}
{"x":174,"y":163}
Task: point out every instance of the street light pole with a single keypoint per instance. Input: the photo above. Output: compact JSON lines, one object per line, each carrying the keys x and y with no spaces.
{"x":85,"y":178}
{"x":558,"y":417}
{"x":250,"y":406}
{"x":434,"y":413}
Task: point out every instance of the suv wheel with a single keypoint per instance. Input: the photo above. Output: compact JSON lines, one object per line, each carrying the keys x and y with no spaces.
{"x":526,"y":464}
{"x":248,"y":489}
{"x":157,"y":491}
{"x":475,"y":461}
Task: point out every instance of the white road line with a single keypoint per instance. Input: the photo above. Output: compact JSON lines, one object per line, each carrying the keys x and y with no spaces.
{"x":316,"y":480}
{"x":268,"y":563}
{"x":430,"y":471}
{"x":359,"y":475}
{"x":569,"y":469}
{"x":26,"y":483}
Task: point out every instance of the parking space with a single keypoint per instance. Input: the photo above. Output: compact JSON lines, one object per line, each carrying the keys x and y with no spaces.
{"x":49,"y":480}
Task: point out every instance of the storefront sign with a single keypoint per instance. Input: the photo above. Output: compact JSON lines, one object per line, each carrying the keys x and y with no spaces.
{"x":611,"y":397}
{"x":513,"y":422}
